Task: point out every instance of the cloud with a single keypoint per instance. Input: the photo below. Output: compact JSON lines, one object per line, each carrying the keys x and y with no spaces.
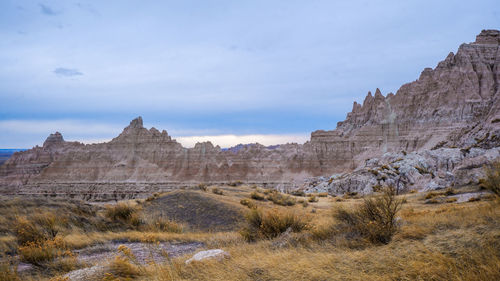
{"x":89,"y":8}
{"x":72,"y":127}
{"x":46,"y":10}
{"x":68,"y":72}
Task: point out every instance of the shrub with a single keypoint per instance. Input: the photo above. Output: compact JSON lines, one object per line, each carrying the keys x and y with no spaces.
{"x":449,"y":191}
{"x":281,"y":199}
{"x":122,"y":267}
{"x":431,"y":195}
{"x":43,"y":251}
{"x":257,"y":196}
{"x":323,"y":194}
{"x":202,"y":187}
{"x":217,"y":191}
{"x":8,"y":272}
{"x":164,"y":225}
{"x":313,"y":199}
{"x":248,"y":203}
{"x":49,"y":222}
{"x":492,"y":180}
{"x":432,"y":201}
{"x":235,"y":183}
{"x":474,"y":199}
{"x":298,"y":193}
{"x":374,"y":220}
{"x":377,"y":188}
{"x":451,"y":200}
{"x":270,"y":224}
{"x":120,"y":211}
{"x":39,"y":227}
{"x":26,"y":231}
{"x":422,"y":170}
{"x":305,"y":204}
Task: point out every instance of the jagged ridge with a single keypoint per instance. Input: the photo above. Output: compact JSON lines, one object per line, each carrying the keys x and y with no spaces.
{"x":455,"y":104}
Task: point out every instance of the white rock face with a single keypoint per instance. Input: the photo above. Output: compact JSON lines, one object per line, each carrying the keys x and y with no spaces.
{"x":209,"y":254}
{"x":422,"y":171}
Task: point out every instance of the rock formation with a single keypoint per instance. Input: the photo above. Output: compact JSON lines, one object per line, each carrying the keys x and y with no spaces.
{"x":454,"y":105}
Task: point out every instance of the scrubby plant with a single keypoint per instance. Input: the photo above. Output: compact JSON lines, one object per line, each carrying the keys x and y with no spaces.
{"x":281,"y":199}
{"x":38,"y":227}
{"x":121,"y":267}
{"x":432,"y":201}
{"x":377,"y":188}
{"x":217,"y":191}
{"x":492,"y":180}
{"x":26,"y":231}
{"x":431,"y":195}
{"x":203,"y":187}
{"x":474,"y":199}
{"x":323,"y":194}
{"x":248,"y":203}
{"x":422,"y":170}
{"x":43,"y":251}
{"x":163,"y":224}
{"x":8,"y":272}
{"x":312,"y":199}
{"x":298,"y":193}
{"x":124,"y":266}
{"x":235,"y":183}
{"x":374,"y":220}
{"x":451,"y":200}
{"x":120,"y":211}
{"x":449,"y":191}
{"x":270,"y":224}
{"x":257,"y":196}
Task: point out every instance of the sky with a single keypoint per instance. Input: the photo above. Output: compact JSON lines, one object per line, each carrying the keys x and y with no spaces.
{"x":226,"y":71}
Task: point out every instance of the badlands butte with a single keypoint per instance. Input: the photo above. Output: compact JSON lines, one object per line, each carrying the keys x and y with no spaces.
{"x":435,"y":132}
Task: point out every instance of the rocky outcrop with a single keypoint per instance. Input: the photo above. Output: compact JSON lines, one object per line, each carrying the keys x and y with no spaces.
{"x":454,"y":106}
{"x":421,"y":171}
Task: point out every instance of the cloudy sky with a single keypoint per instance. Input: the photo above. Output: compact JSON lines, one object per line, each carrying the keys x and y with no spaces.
{"x":229,"y":71}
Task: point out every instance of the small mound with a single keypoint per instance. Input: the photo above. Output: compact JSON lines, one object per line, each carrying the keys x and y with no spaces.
{"x":199,"y":211}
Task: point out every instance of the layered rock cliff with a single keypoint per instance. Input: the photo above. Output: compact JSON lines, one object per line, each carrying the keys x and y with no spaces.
{"x":454,"y":105}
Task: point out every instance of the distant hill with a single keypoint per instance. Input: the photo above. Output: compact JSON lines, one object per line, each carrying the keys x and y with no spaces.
{"x":6,"y":153}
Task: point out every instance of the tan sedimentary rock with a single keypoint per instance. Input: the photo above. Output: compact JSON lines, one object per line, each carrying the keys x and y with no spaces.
{"x":454,"y":105}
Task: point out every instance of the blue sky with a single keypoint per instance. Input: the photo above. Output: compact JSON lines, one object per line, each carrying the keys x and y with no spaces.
{"x":269,"y":71}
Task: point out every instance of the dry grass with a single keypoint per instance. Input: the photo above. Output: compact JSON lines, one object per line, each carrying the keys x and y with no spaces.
{"x":281,"y":199}
{"x":257,"y":196}
{"x":459,"y":241}
{"x":270,"y":224}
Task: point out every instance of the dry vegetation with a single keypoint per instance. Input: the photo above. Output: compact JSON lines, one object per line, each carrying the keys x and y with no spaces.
{"x":380,"y":237}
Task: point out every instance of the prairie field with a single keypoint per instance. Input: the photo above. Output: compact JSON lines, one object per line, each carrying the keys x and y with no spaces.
{"x":267,"y":235}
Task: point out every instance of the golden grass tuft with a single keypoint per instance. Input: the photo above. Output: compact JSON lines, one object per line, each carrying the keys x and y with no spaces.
{"x":281,"y":199}
{"x":270,"y":224}
{"x":43,"y":251}
{"x":257,"y":196}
